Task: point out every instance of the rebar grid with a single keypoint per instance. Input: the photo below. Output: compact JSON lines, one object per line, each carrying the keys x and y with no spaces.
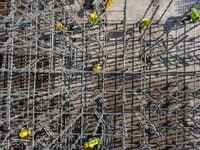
{"x":47,"y":85}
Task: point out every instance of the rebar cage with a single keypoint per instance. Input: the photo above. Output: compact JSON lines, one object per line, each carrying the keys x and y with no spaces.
{"x":145,"y":97}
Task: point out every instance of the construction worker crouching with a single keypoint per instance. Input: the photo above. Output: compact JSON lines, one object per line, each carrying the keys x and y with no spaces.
{"x":59,"y":24}
{"x":24,"y":132}
{"x":92,"y":142}
{"x":94,"y":20}
{"x":142,"y":23}
{"x":194,"y":15}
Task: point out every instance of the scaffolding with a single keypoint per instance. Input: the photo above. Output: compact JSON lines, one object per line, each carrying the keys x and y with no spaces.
{"x":145,"y":97}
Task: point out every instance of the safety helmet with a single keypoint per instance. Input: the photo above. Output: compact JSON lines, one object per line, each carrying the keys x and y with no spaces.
{"x":97,"y":66}
{"x":147,"y":22}
{"x":23,"y":133}
{"x":198,"y":19}
{"x":86,"y":144}
{"x":91,"y":15}
{"x":59,"y":24}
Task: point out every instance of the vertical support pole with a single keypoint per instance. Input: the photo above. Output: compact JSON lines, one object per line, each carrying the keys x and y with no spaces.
{"x":150,"y":21}
{"x":165,"y":10}
{"x":148,"y":8}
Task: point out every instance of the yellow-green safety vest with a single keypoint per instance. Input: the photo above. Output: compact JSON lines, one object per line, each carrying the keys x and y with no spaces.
{"x":194,"y":14}
{"x":93,"y":142}
{"x":95,"y":20}
{"x":142,"y":24}
{"x":66,"y":29}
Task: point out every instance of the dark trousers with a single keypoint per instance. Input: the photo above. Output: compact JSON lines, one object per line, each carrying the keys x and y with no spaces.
{"x":186,"y":19}
{"x":140,"y":29}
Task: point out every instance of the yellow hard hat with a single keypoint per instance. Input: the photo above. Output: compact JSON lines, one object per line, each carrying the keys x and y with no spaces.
{"x":91,"y":15}
{"x":86,"y":144}
{"x":198,"y":19}
{"x":23,"y":133}
{"x":97,"y":66}
{"x":59,"y":24}
{"x":147,"y":22}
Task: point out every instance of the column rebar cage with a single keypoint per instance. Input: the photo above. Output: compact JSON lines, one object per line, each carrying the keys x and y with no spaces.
{"x":146,"y":96}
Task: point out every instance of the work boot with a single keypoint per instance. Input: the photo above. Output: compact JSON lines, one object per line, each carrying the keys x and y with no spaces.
{"x":103,"y":11}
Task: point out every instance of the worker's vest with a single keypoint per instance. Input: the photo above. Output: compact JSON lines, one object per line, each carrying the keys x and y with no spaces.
{"x":66,"y":29}
{"x":95,"y":20}
{"x":194,"y":14}
{"x":93,"y":142}
{"x":143,"y":22}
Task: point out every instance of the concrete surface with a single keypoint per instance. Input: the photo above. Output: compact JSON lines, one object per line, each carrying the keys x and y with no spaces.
{"x":137,"y":8}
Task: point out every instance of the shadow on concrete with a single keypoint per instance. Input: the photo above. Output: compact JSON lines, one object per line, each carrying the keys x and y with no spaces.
{"x":1,"y":62}
{"x":87,"y":6}
{"x":170,"y":21}
{"x":80,"y":13}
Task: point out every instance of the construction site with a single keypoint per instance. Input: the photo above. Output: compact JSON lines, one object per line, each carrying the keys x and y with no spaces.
{"x":145,"y":94}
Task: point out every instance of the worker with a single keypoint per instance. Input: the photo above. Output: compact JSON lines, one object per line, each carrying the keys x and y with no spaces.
{"x":142,"y":23}
{"x":107,"y":3}
{"x":194,"y":15}
{"x":94,"y":20}
{"x":24,"y":132}
{"x":92,"y":142}
{"x":59,"y":23}
{"x":97,"y":66}
{"x":101,"y":4}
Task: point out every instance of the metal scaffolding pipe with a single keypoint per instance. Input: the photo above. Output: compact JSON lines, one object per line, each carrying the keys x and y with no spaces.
{"x":150,"y":21}
{"x":165,"y":10}
{"x":148,"y":8}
